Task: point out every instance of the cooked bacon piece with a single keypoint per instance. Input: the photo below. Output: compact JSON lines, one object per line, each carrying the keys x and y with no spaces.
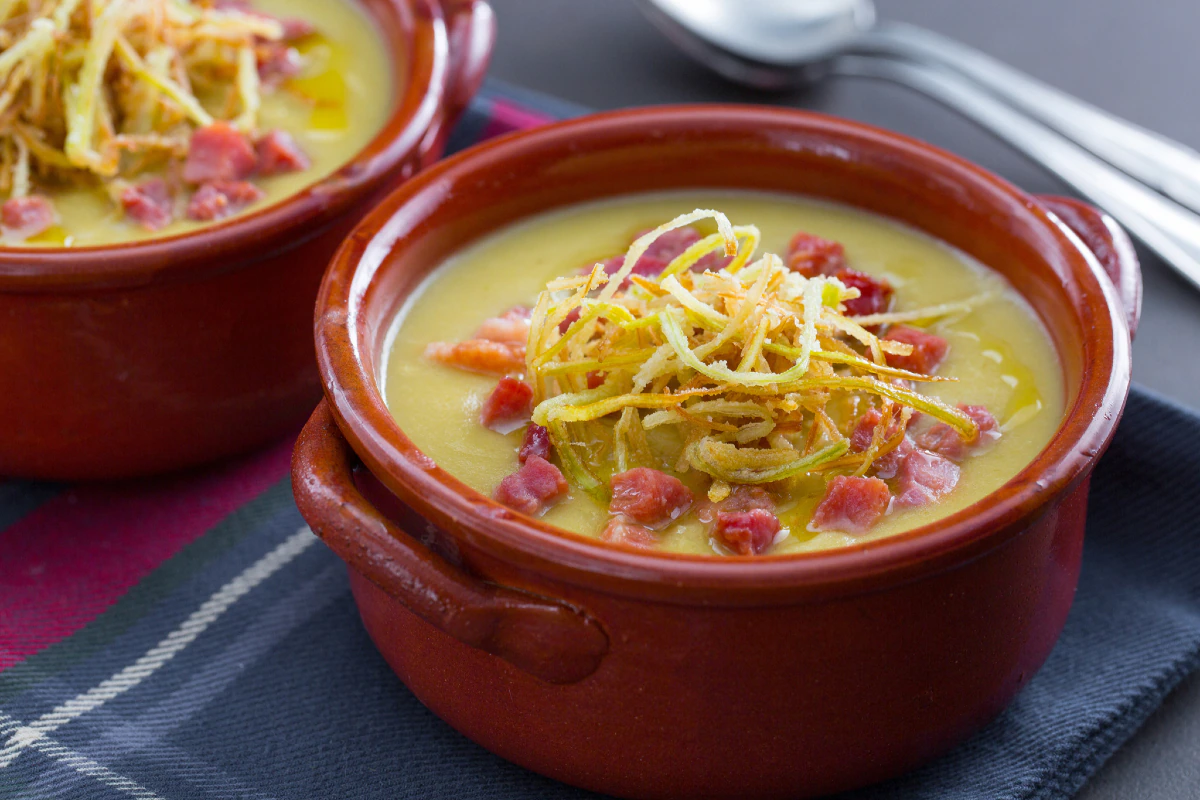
{"x":218,"y":152}
{"x":874,"y":294}
{"x":888,"y":464}
{"x":811,"y":255}
{"x":511,"y":327}
{"x":928,"y":351}
{"x":923,"y":478}
{"x":24,"y":217}
{"x":747,"y":533}
{"x":648,"y":496}
{"x":277,"y":62}
{"x":864,"y":430}
{"x":595,"y":379}
{"x":672,"y":243}
{"x":661,"y":252}
{"x":884,"y":466}
{"x":621,"y":531}
{"x":946,"y":441}
{"x":508,"y":406}
{"x":479,"y":355}
{"x":647,"y":266}
{"x":532,"y":488}
{"x":149,"y":203}
{"x":851,"y":505}
{"x":278,"y":153}
{"x":743,"y":497}
{"x":221,"y":199}
{"x":535,"y":443}
{"x":568,"y":320}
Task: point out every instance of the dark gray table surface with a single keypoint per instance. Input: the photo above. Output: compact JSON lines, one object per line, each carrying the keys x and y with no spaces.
{"x":1135,"y":58}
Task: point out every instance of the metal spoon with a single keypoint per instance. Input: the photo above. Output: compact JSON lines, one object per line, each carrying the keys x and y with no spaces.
{"x":777,"y":43}
{"x":773,"y":44}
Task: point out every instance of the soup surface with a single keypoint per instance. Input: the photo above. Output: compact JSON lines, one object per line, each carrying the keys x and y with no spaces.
{"x":330,"y":92}
{"x":999,"y":355}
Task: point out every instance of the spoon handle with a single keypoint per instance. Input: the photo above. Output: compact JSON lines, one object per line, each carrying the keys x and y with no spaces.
{"x":1167,"y":228}
{"x":1157,"y":161}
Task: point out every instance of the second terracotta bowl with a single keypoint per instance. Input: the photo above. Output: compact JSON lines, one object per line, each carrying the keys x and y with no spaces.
{"x":138,"y":358}
{"x":660,"y":675}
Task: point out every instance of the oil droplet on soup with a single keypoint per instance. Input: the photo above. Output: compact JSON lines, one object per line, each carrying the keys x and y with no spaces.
{"x":1000,"y":354}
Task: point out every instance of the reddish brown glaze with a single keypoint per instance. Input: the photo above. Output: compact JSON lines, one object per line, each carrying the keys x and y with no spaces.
{"x":828,"y":670}
{"x":142,"y":357}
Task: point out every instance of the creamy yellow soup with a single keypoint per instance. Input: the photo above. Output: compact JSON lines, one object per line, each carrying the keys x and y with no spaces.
{"x":1000,"y":353}
{"x":332,"y":109}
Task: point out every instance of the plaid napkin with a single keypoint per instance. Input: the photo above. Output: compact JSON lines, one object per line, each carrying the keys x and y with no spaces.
{"x":188,"y":637}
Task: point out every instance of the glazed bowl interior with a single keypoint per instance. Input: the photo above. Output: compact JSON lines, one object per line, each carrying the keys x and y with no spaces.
{"x":413,"y":33}
{"x":623,"y":153}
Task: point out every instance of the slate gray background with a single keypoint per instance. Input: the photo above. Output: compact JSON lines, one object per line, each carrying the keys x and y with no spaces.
{"x":1135,"y":58}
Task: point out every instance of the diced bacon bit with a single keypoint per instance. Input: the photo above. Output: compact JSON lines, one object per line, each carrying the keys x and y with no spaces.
{"x":535,"y":443}
{"x":743,"y":497}
{"x":747,"y":533}
{"x":928,"y":350}
{"x":662,"y":251}
{"x":946,"y":441}
{"x":647,"y":266}
{"x":569,"y":320}
{"x":851,"y":505}
{"x":149,"y":203}
{"x":277,"y":62}
{"x":278,"y":153}
{"x":923,"y":478}
{"x":811,"y":255}
{"x":649,"y":497}
{"x":479,"y":355}
{"x":532,"y":488}
{"x":621,"y":531}
{"x":220,"y":199}
{"x":218,"y":152}
{"x":874,"y":294}
{"x":511,"y":327}
{"x":888,"y":464}
{"x":508,"y":406}
{"x":864,"y":431}
{"x":24,"y":217}
{"x":595,"y":380}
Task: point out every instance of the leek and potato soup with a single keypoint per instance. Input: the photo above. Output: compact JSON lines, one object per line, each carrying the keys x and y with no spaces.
{"x":131,"y":119}
{"x":775,"y":376}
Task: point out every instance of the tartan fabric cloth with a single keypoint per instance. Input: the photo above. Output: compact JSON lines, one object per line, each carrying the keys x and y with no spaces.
{"x":188,"y":637}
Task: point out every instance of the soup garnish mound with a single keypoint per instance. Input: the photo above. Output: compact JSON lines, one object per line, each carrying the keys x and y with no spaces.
{"x":691,"y":377}
{"x":165,"y":110}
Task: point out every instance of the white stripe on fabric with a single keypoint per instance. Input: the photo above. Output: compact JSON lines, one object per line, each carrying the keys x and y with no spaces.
{"x":82,"y":764}
{"x":161,"y":653}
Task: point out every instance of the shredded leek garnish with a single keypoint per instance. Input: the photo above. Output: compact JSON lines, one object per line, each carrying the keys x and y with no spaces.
{"x":94,"y":93}
{"x":744,"y":363}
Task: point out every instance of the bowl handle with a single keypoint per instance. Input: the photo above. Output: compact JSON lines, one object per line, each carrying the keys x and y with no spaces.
{"x":1109,"y":243}
{"x":545,"y":638}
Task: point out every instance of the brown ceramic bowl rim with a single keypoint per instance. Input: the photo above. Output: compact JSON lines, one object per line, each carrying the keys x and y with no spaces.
{"x":358,"y":407}
{"x":223,"y":245}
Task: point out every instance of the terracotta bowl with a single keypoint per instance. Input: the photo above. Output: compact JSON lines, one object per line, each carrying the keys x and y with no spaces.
{"x":144,"y":357}
{"x":659,"y":675}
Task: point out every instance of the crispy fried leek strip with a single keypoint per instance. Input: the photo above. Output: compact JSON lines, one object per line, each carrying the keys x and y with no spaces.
{"x":577,"y":471}
{"x":85,"y":94}
{"x":726,"y":462}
